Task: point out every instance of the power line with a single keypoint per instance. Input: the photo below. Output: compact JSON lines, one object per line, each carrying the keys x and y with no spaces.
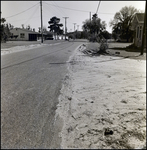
{"x":22,"y":11}
{"x":98,"y":7}
{"x":23,"y":19}
{"x":78,"y":10}
{"x":45,"y":10}
{"x":59,"y":9}
{"x":59,"y":14}
{"x":67,"y":8}
{"x":31,"y":15}
{"x":107,"y":13}
{"x":52,"y":10}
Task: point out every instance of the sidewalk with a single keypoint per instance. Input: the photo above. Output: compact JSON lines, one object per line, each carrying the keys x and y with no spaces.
{"x":103,"y":103}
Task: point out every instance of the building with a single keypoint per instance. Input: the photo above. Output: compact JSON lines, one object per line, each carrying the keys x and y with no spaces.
{"x":19,"y":34}
{"x":137,"y":27}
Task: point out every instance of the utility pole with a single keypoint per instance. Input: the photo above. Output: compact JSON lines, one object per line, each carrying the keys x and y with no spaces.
{"x":74,"y":26}
{"x":90,"y":16}
{"x":74,"y":31}
{"x":65,"y":26}
{"x":41,"y":22}
{"x":144,"y":32}
{"x":77,"y":27}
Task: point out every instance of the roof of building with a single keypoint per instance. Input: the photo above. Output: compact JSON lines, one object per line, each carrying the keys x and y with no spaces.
{"x":140,"y":17}
{"x":26,"y":30}
{"x":30,"y":31}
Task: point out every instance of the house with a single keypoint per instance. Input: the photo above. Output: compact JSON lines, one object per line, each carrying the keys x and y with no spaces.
{"x":20,"y":34}
{"x":137,"y":27}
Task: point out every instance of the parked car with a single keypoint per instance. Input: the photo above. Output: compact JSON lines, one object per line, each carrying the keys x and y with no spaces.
{"x":49,"y":38}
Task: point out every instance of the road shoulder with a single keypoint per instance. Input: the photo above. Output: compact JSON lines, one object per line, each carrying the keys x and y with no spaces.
{"x":103,"y":103}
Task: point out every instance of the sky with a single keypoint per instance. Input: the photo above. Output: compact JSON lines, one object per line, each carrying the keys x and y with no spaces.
{"x":28,"y":12}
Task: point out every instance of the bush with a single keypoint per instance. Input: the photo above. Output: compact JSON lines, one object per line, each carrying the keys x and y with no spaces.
{"x":103,"y":45}
{"x":92,"y":39}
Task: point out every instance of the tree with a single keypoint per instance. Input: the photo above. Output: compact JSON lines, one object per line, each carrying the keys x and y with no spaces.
{"x":22,"y":26}
{"x":3,"y":20}
{"x":77,"y":34}
{"x":55,"y":26}
{"x":11,"y":26}
{"x":4,"y":30}
{"x":39,"y":29}
{"x":106,"y":34}
{"x":122,"y":20}
{"x":94,"y":27}
{"x":28,"y":27}
{"x":84,"y":35}
{"x":114,"y":35}
{"x":44,"y":29}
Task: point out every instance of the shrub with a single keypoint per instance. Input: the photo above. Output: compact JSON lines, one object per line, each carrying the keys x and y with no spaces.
{"x":103,"y":45}
{"x":92,"y":38}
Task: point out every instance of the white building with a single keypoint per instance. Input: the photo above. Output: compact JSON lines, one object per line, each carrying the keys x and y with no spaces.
{"x":20,"y":34}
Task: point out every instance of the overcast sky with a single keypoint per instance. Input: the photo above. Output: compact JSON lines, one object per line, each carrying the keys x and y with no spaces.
{"x":28,"y":12}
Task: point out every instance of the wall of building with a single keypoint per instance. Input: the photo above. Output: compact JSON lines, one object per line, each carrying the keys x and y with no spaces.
{"x":22,"y":34}
{"x":138,"y":36}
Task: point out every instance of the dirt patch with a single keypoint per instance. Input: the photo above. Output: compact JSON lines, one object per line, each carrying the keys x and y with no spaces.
{"x":103,"y":103}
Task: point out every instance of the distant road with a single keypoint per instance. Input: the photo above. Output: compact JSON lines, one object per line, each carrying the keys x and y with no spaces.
{"x":30,"y":85}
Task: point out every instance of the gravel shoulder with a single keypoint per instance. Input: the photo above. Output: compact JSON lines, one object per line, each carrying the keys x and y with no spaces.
{"x":103,"y":102}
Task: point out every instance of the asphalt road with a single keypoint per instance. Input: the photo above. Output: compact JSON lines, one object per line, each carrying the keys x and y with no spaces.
{"x":30,"y":85}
